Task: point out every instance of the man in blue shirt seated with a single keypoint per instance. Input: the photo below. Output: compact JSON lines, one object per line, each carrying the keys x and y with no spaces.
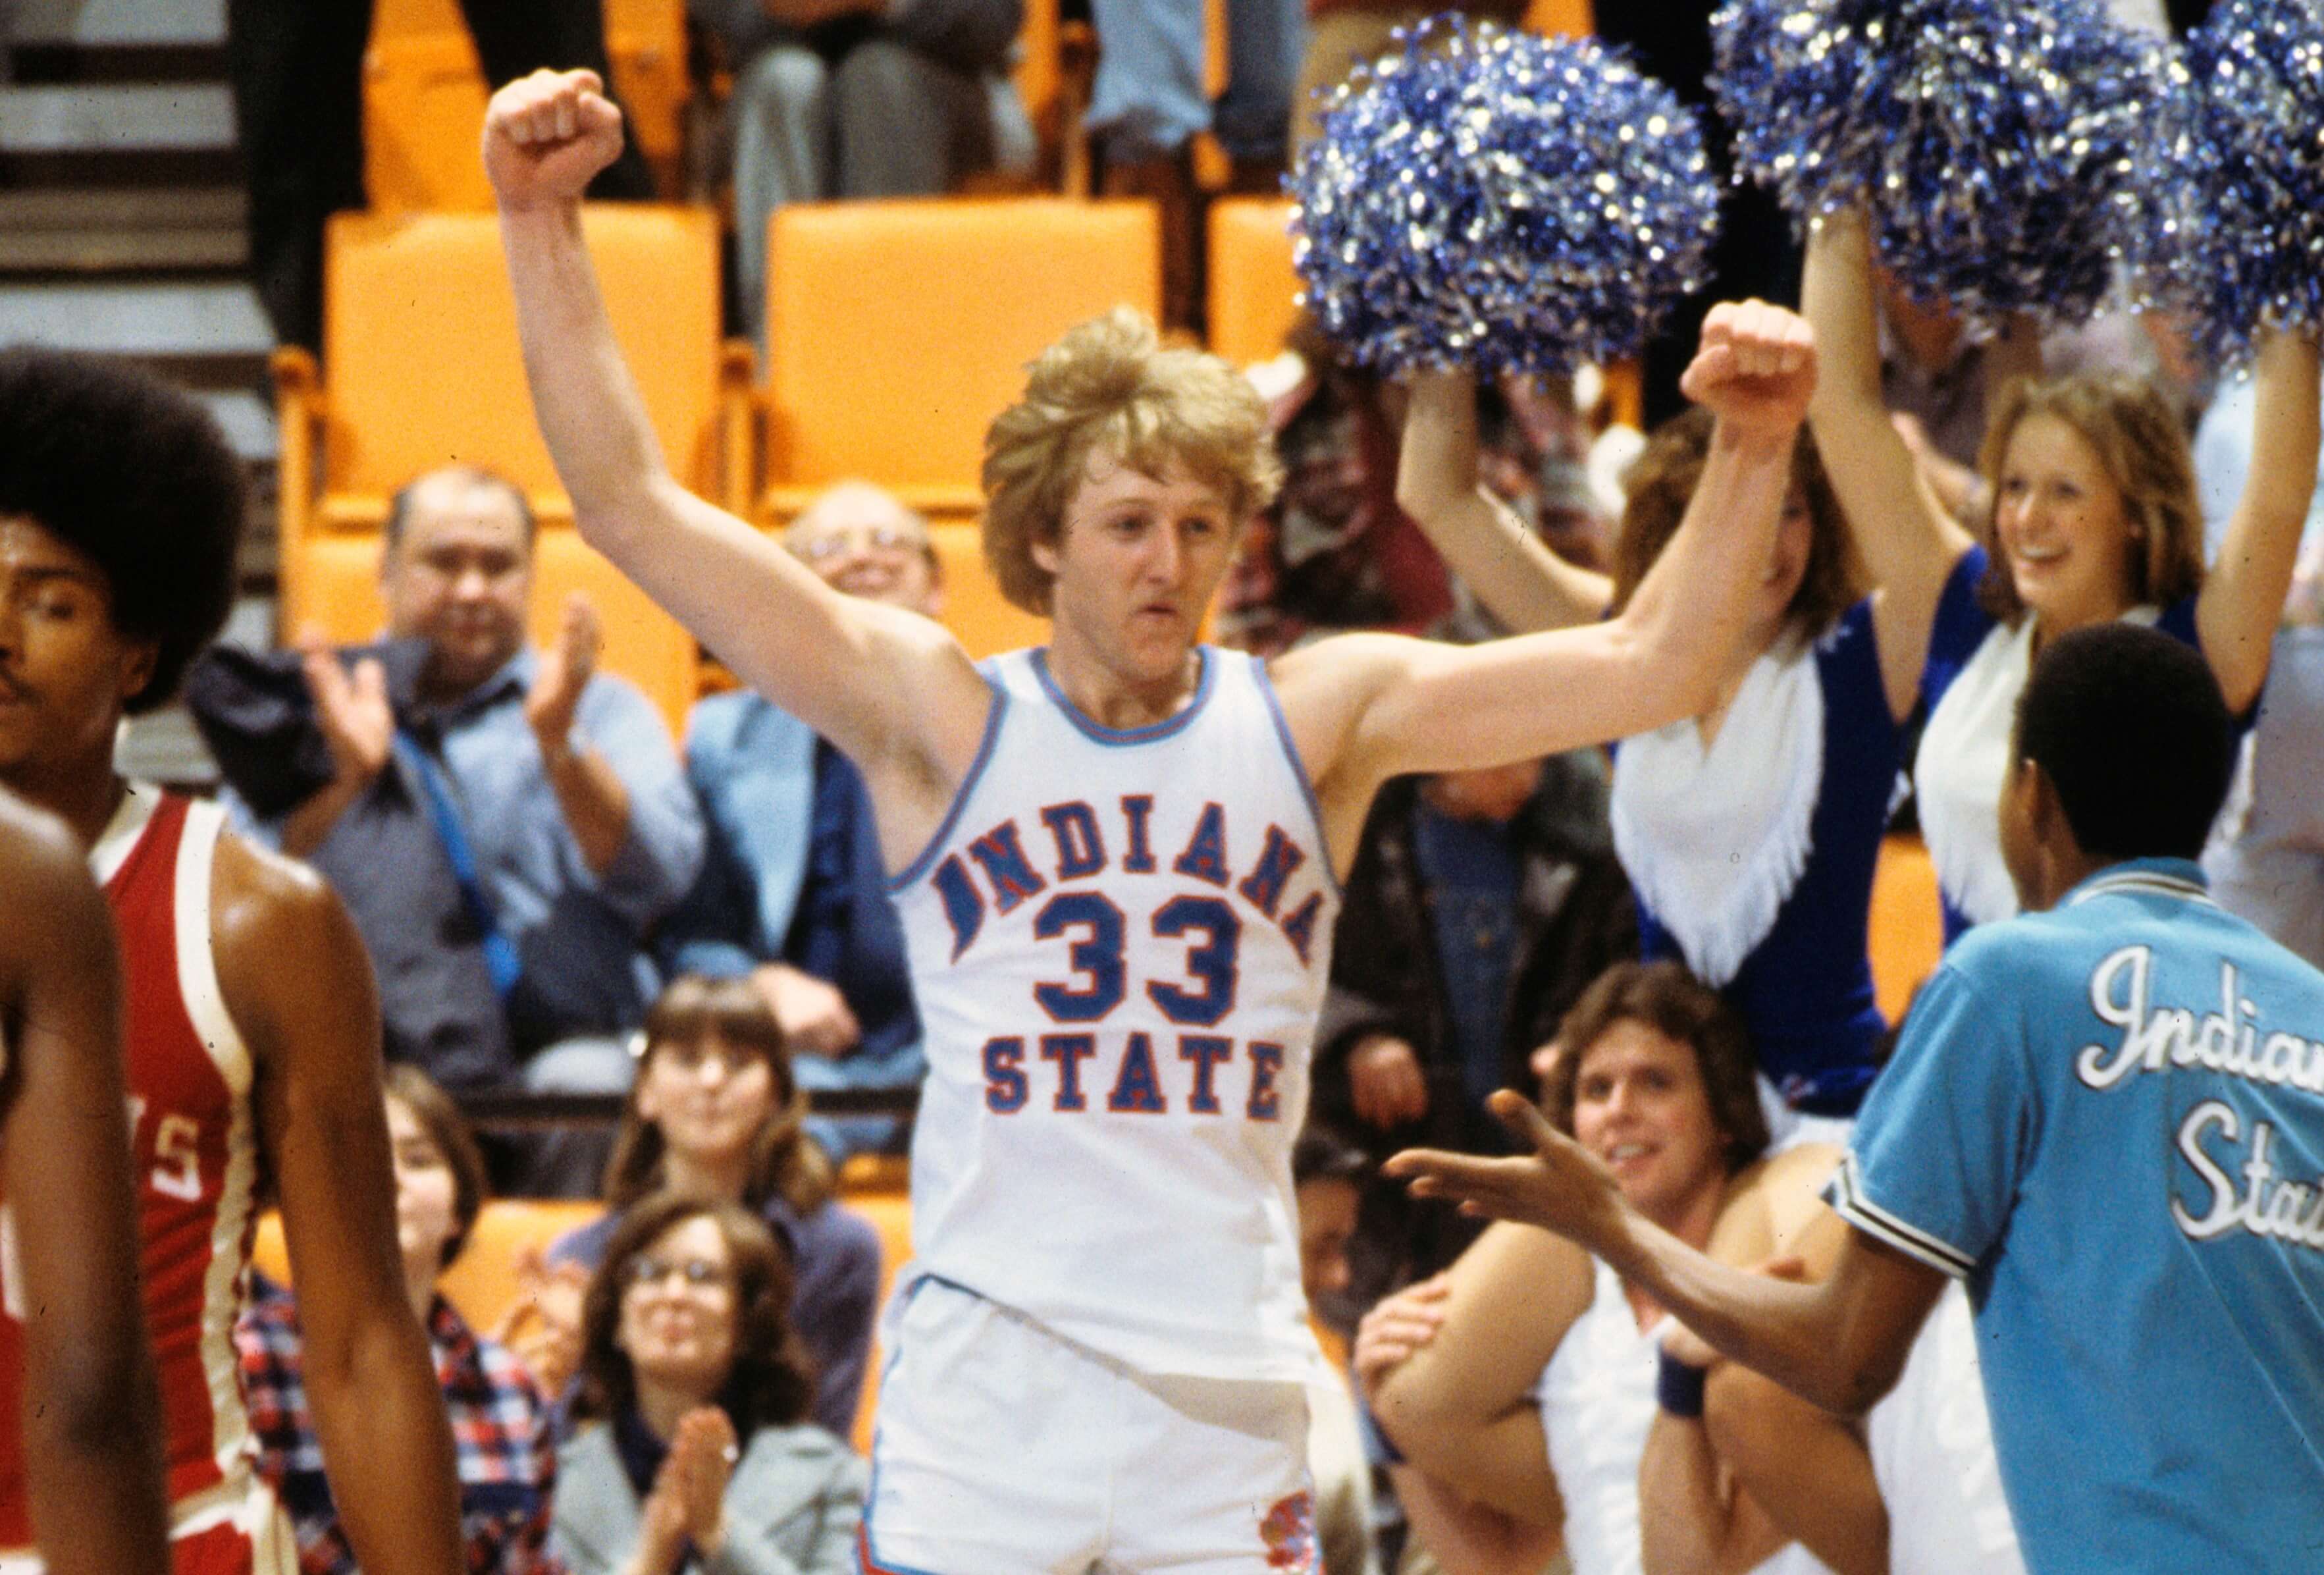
{"x":793,"y":892}
{"x":560,"y":783}
{"x":2107,"y":1117}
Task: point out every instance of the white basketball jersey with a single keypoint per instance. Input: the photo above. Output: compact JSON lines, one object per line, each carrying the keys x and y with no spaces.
{"x":1119,"y":945}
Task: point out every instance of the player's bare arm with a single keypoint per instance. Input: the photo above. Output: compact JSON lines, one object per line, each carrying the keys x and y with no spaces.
{"x":312,"y":1026}
{"x":1461,"y":1405}
{"x":1511,"y":570}
{"x":2241,"y":599}
{"x":892,"y":689}
{"x":91,"y":1410}
{"x":1366,"y":707}
{"x":1839,"y":1343}
{"x":1762,"y":1467}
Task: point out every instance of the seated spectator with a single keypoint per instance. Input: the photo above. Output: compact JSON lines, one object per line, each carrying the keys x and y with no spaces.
{"x":574,"y":827}
{"x":1530,"y":1381}
{"x":842,"y":98}
{"x":701,"y":1455}
{"x":714,"y":1113}
{"x":1327,"y":1175}
{"x":1150,"y":97}
{"x":1480,"y":906}
{"x":1557,"y":1359}
{"x":507,"y":1460}
{"x":1336,"y":552}
{"x":794,"y":893}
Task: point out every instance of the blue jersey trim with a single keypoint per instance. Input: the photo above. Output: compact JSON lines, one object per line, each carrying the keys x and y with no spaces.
{"x":1120,"y":737}
{"x":2148,"y":877}
{"x":1299,"y":769}
{"x":1845,"y":1193}
{"x":985,"y":746}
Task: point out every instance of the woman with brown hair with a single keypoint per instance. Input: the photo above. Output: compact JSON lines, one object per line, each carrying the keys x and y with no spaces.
{"x":697,"y":1451}
{"x":2092,"y":516}
{"x":1749,"y":832}
{"x":715,"y":1113}
{"x":506,"y":1460}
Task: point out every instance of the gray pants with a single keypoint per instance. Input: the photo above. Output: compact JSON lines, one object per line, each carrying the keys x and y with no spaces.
{"x":571,"y":1163}
{"x":2267,"y":858}
{"x":885,"y":120}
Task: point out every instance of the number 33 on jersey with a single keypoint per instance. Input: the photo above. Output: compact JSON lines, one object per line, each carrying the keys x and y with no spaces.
{"x":1120,"y":942}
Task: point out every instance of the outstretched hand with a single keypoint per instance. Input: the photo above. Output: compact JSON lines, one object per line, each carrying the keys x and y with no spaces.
{"x":1560,"y":1186}
{"x":1755,"y":369}
{"x":547,"y":136}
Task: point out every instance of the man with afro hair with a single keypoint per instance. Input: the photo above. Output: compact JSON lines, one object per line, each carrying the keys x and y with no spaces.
{"x":251,"y":1032}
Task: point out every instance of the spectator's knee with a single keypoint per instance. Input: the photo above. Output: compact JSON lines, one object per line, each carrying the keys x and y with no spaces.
{"x":783,"y":81}
{"x":886,"y":78}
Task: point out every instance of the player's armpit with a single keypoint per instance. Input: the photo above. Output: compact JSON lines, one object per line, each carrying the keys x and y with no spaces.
{"x":299,"y":986}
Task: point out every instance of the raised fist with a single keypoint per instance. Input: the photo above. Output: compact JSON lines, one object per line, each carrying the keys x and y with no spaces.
{"x":546,"y":135}
{"x":1755,"y":368}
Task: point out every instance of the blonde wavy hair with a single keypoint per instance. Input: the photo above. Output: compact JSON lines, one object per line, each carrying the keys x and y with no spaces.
{"x":1109,"y":387}
{"x":2142,"y":446}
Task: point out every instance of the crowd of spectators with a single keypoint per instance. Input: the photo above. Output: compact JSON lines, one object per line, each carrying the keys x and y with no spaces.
{"x":556,"y":898}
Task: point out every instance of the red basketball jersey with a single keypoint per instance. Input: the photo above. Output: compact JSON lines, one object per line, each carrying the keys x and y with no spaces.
{"x":196,"y":1162}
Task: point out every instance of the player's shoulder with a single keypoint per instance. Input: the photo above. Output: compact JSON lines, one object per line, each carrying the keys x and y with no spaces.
{"x":2030,"y":950}
{"x":267,"y":907}
{"x":37,"y":852}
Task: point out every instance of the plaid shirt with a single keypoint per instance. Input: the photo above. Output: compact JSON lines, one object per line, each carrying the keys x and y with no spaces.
{"x":500,"y":1426}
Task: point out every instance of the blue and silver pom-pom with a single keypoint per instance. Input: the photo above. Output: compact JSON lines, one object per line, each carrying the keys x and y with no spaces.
{"x":1997,"y":145}
{"x":2235,"y":238}
{"x":1494,"y":199}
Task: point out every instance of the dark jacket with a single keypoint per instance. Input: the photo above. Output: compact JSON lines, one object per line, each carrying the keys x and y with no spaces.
{"x":1575,"y":920}
{"x":384,"y":859}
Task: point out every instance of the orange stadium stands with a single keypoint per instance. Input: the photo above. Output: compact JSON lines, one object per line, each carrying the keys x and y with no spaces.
{"x":858,"y":388}
{"x":419,"y":343}
{"x":895,"y":330}
{"x":1254,"y":295}
{"x":424,"y":99}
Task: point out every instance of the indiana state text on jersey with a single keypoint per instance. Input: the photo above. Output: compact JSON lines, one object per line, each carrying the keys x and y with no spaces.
{"x":1111,"y":890}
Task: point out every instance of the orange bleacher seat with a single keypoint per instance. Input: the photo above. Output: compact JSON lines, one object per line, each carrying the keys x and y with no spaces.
{"x":423,"y":369}
{"x":1575,"y":18}
{"x":481,"y":1284}
{"x":897,"y":330}
{"x":424,"y":95}
{"x":1908,"y":933}
{"x":1254,"y":291}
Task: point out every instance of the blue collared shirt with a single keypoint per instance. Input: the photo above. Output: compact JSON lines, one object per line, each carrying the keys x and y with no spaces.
{"x":2108,"y":1118}
{"x":579,"y":934}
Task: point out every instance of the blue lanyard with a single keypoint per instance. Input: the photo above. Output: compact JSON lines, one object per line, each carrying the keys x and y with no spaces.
{"x":501,"y":960}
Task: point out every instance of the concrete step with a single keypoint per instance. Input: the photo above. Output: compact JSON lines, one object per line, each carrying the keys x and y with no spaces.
{"x":248,"y":421}
{"x":117,"y":134}
{"x":124,"y":229}
{"x":165,"y":320}
{"x":114,"y":117}
{"x":102,"y":23}
{"x":210,"y":336}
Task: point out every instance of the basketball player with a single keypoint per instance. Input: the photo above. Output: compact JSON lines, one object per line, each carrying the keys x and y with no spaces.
{"x":2105,"y":1117}
{"x":1116,"y":863}
{"x":82,"y":1389}
{"x":252,"y":1029}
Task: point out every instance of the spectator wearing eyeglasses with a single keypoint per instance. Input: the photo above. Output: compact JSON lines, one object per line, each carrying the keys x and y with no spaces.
{"x":715,"y":1113}
{"x":698,"y":1453}
{"x":793,"y":894}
